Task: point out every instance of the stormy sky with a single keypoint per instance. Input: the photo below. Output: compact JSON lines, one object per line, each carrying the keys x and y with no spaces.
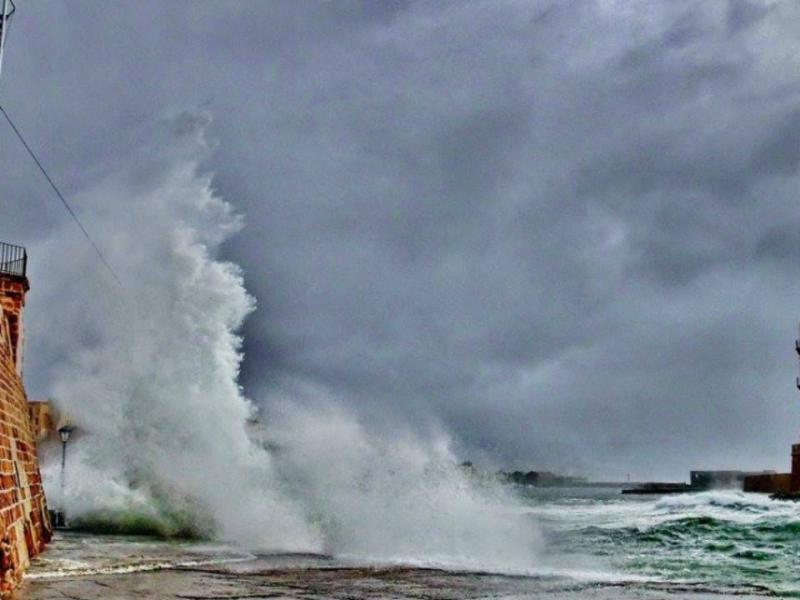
{"x":568,"y":232}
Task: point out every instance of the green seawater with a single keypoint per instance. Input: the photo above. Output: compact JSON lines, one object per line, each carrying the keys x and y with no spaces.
{"x":725,"y":541}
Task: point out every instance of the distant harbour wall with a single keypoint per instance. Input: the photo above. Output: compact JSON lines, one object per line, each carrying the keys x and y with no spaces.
{"x":769,"y":483}
{"x":24,"y":522}
{"x":782,"y":484}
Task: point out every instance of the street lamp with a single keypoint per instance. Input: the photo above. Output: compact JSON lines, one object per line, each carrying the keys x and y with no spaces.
{"x":64,"y":432}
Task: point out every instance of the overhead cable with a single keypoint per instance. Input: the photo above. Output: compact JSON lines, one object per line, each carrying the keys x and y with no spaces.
{"x":60,"y":195}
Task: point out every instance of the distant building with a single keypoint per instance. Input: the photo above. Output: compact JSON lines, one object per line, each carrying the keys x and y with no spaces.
{"x":701,"y":481}
{"x":42,"y":422}
{"x":769,"y":483}
{"x":707,"y":480}
{"x":541,"y":478}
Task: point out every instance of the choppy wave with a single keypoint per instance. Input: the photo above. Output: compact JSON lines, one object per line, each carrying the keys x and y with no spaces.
{"x":167,"y":524}
{"x":724,"y":540}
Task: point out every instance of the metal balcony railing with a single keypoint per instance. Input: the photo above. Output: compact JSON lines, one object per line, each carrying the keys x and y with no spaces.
{"x":13,"y":260}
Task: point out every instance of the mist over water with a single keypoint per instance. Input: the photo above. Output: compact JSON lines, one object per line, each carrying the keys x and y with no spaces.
{"x":399,"y":498}
{"x":148,"y":372}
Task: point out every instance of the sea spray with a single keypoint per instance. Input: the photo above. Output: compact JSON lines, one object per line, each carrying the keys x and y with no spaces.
{"x":149,"y":374}
{"x":397,"y":499}
{"x":149,"y":371}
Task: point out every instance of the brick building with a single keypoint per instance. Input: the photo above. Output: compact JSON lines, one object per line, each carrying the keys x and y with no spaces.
{"x":24,"y":523}
{"x":42,"y":422}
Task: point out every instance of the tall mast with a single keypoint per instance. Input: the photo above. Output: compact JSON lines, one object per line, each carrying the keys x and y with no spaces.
{"x":797,"y":349}
{"x":7,"y":10}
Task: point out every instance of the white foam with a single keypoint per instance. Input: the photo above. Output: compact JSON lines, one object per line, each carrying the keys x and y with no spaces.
{"x":724,"y":505}
{"x":149,"y":374}
{"x":86,"y":571}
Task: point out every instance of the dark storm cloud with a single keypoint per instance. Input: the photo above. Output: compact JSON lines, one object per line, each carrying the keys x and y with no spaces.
{"x":744,"y":13}
{"x":781,"y":243}
{"x":563,"y":230}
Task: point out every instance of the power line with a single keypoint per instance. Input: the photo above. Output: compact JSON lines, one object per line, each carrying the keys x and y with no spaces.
{"x":60,"y":195}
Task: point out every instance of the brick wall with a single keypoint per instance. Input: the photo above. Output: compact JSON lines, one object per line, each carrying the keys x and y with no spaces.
{"x":12,"y":301}
{"x":24,"y":523}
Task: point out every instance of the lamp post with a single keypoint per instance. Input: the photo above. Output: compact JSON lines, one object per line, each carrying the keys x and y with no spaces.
{"x":64,"y":433}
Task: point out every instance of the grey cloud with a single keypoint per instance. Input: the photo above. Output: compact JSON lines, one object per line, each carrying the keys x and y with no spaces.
{"x":744,"y":13}
{"x":561,"y":230}
{"x":779,"y":149}
{"x":781,"y":243}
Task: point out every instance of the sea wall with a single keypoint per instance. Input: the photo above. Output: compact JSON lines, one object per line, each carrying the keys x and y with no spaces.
{"x":24,"y":522}
{"x":787,"y":484}
{"x":769,"y":483}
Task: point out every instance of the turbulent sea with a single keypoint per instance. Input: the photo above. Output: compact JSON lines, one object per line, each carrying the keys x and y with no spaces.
{"x":596,"y":543}
{"x":722,"y":541}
